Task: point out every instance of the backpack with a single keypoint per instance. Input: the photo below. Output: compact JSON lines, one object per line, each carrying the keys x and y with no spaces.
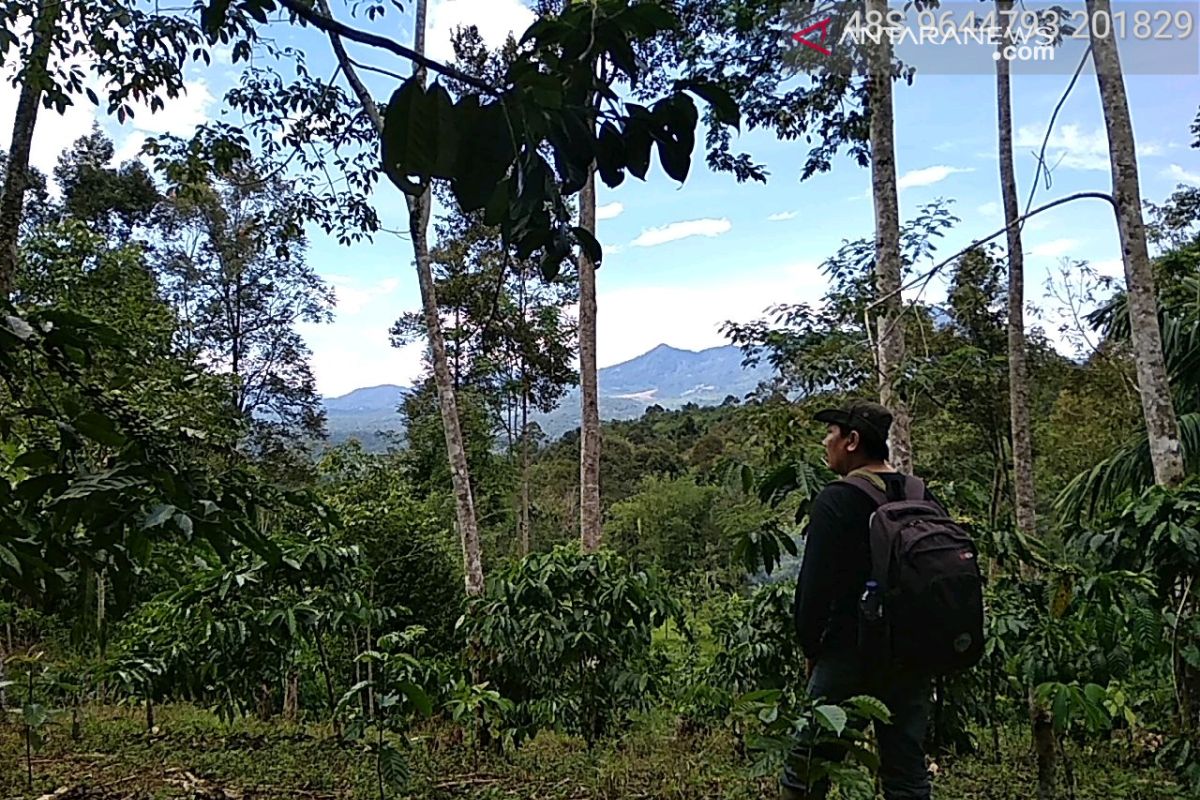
{"x":927,"y":570}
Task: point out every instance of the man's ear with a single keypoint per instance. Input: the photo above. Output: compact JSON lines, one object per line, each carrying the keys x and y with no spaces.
{"x":852,"y":440}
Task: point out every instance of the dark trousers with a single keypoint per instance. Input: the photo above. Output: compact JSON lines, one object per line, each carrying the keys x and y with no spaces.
{"x":841,"y":675}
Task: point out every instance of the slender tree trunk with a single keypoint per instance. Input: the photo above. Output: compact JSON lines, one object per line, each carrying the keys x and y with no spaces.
{"x":589,"y":439}
{"x":101,"y":605}
{"x":888,"y":267}
{"x":523,"y":510}
{"x":523,"y":518}
{"x":12,"y":202}
{"x":4,"y":650}
{"x":1162,"y":425}
{"x":1045,"y":747}
{"x":327,"y":674}
{"x":460,"y":475}
{"x":291,"y":696}
{"x":418,"y":217}
{"x":1018,"y":369}
{"x":266,"y":701}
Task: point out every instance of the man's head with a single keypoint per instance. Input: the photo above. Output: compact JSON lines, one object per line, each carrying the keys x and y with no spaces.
{"x":857,"y":436}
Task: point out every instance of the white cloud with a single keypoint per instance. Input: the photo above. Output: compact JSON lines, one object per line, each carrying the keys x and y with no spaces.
{"x":990,"y":210}
{"x":179,"y":116}
{"x":609,"y":211}
{"x":352,"y":297}
{"x":1073,"y":147}
{"x":928,"y":176}
{"x":496,"y":19}
{"x":782,"y":216}
{"x":652,"y":237}
{"x":1112,"y":267}
{"x":368,"y":359}
{"x":1056,"y":248}
{"x":54,"y":133}
{"x":1039,"y":223}
{"x":633,"y":319}
{"x":1182,"y":175}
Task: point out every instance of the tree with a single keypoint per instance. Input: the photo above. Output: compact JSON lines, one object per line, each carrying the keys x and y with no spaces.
{"x":137,"y":55}
{"x":112,"y":200}
{"x":1018,"y":369}
{"x":233,"y":265}
{"x":33,"y":79}
{"x":509,"y":334}
{"x":1158,"y":407}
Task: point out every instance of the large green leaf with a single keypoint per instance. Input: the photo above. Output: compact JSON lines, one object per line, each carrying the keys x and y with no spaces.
{"x":99,"y":428}
{"x":159,"y":515}
{"x":725,"y":108}
{"x":417,"y":696}
{"x":487,"y":152}
{"x":410,"y":134}
{"x":10,"y":558}
{"x":393,"y":767}
{"x":832,"y":718}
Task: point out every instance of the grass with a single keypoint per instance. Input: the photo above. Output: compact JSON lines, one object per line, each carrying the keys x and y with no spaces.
{"x":196,"y":755}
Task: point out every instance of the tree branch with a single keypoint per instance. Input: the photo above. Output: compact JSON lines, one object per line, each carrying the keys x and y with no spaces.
{"x":928,"y":276}
{"x":335,"y":28}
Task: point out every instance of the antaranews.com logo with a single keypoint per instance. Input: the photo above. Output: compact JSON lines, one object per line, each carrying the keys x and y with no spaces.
{"x":968,"y":37}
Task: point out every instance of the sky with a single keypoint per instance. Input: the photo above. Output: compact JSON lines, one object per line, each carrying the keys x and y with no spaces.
{"x":682,"y":259}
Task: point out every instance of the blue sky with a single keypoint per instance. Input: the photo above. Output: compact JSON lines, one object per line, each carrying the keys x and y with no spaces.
{"x":682,"y":259}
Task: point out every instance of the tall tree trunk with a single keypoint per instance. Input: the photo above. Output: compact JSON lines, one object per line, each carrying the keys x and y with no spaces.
{"x":888,"y":268}
{"x":523,"y":509}
{"x":523,"y":515}
{"x":459,"y":473}
{"x":1162,"y":426}
{"x":418,"y":220}
{"x":589,"y":439}
{"x":12,"y":202}
{"x":1018,"y":369}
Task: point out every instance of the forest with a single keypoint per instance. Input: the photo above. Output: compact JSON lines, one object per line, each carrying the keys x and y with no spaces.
{"x":202,"y":597}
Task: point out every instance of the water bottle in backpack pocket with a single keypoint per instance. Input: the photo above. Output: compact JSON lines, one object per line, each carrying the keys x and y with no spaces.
{"x":873,"y":644}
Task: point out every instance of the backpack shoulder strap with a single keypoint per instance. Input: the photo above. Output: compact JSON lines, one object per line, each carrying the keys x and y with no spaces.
{"x":870,"y":486}
{"x":914,"y":488}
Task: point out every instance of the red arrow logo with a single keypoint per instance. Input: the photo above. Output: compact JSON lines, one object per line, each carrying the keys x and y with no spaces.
{"x":823,"y":27}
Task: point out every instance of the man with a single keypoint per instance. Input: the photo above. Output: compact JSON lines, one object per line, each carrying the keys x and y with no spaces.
{"x":833,"y":577}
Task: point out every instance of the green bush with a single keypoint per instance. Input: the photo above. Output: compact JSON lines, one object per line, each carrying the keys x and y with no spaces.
{"x":566,"y":637}
{"x":670,"y":523}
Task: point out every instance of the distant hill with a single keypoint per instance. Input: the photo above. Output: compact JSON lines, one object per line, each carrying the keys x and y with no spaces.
{"x":362,"y":413}
{"x":665,"y":376}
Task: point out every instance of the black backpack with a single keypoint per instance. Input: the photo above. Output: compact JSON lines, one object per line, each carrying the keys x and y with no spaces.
{"x":928,"y":574}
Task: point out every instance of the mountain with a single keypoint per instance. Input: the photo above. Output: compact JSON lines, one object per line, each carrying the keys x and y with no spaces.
{"x":361,"y":414}
{"x":665,"y":376}
{"x":670,"y":374}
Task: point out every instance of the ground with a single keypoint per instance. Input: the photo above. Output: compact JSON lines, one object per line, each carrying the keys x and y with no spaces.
{"x":195,"y":755}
